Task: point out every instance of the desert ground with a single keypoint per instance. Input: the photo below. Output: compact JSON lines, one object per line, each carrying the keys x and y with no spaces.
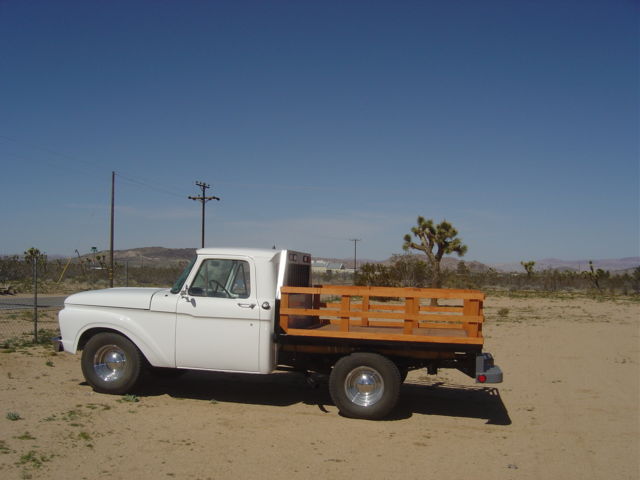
{"x":569,"y":408}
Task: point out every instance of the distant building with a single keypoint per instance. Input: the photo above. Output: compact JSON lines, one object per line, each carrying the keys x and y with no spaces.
{"x":323,"y":266}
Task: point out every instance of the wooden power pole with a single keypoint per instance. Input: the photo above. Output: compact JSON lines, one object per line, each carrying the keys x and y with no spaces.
{"x":203,"y":199}
{"x":113,"y":194}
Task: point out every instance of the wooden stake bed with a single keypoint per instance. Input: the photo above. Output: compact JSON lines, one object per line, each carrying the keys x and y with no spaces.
{"x":383,"y":314}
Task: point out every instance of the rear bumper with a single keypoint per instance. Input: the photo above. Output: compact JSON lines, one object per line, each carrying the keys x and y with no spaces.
{"x":486,"y":371}
{"x":57,"y":344}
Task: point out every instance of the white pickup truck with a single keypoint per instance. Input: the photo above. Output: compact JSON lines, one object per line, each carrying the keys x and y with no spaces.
{"x":254,"y":311}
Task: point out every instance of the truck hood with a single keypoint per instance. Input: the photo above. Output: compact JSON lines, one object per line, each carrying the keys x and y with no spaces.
{"x":139,"y":298}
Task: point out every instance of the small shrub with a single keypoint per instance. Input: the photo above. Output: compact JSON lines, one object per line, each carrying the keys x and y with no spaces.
{"x":13,"y":416}
{"x":503,"y":312}
{"x":71,"y":415}
{"x":33,"y":459}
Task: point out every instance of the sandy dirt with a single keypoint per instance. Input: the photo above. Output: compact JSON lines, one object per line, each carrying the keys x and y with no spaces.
{"x":568,"y":409}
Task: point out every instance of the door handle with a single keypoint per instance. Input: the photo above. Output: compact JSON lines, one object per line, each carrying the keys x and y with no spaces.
{"x":247,"y":305}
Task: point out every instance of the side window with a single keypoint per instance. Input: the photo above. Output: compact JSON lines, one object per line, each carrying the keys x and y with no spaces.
{"x":222,"y":279}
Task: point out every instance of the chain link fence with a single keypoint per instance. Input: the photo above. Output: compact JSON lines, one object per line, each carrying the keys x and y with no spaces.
{"x":21,"y":323}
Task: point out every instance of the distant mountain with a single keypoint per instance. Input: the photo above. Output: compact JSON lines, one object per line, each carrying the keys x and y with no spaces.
{"x":614,"y":265}
{"x":152,"y":256}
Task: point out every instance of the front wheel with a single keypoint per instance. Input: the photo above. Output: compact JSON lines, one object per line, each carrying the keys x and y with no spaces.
{"x":111,"y":363}
{"x":365,"y":385}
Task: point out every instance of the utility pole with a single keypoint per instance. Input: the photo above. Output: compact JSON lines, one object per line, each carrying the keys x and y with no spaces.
{"x":355,"y":255}
{"x":113,"y":195}
{"x":35,"y":297}
{"x":203,"y":199}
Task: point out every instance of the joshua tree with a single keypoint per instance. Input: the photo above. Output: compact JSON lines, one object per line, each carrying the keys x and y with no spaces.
{"x":635,"y":280}
{"x":430,"y":237}
{"x":34,"y":254}
{"x":31,"y":254}
{"x":528,"y":267}
{"x":596,"y":275}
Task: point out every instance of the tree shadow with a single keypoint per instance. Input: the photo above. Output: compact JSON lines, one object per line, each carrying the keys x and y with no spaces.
{"x":285,"y":388}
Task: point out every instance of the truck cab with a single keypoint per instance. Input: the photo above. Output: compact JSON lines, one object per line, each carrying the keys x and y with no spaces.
{"x":225,"y":309}
{"x":219,"y":315}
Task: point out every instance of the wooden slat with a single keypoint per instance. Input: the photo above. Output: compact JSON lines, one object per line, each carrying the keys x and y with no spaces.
{"x":398,"y":307}
{"x":386,"y":315}
{"x":411,"y":311}
{"x":455,"y":326}
{"x":386,"y":337}
{"x":472,"y":307}
{"x":387,"y":292}
{"x":344,"y":319}
{"x":380,"y":323}
{"x":429,"y":308}
{"x":364,"y":306}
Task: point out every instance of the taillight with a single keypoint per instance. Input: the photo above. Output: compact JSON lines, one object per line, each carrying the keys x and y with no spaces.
{"x":482,"y":378}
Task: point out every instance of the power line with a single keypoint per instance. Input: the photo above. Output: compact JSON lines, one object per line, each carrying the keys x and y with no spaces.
{"x":35,"y":146}
{"x":142,"y":183}
{"x":203,"y":199}
{"x":51,"y":151}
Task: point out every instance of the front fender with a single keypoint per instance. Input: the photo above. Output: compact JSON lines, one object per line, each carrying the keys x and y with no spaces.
{"x":152,"y":332}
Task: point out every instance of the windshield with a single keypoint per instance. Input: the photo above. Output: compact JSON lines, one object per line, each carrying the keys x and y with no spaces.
{"x":183,"y":277}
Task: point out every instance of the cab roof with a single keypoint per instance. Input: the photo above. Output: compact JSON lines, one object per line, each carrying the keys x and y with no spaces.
{"x":247,"y":252}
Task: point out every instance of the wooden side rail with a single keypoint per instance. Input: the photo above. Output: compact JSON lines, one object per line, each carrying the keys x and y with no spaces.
{"x":360,"y":313}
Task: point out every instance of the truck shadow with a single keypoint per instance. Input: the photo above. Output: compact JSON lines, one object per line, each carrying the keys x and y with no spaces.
{"x":452,"y":400}
{"x":284,"y":389}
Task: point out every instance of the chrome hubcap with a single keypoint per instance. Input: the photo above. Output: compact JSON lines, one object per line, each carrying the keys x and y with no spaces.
{"x":364,"y":386}
{"x":109,"y":363}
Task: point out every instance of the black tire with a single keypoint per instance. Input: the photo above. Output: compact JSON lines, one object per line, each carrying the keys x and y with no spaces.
{"x":111,"y":363}
{"x":365,"y":385}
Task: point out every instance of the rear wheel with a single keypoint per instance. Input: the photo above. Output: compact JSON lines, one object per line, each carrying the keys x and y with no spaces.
{"x":365,"y":385}
{"x":111,"y":363}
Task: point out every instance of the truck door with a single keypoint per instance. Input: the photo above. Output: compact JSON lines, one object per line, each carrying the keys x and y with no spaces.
{"x":218,"y":319}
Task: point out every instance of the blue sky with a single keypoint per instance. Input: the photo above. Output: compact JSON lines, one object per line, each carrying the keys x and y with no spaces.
{"x":321,"y":121}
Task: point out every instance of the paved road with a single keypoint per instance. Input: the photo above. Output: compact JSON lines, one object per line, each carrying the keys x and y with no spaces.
{"x":11,"y":302}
